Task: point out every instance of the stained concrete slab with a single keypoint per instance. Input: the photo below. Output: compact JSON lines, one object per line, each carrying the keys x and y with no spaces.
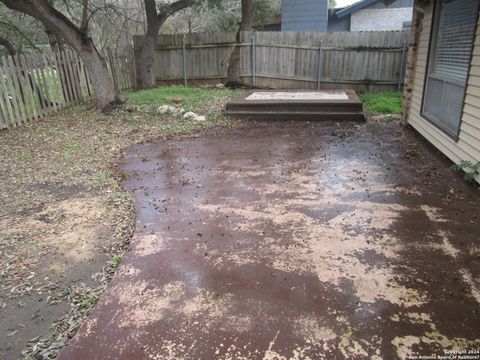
{"x":292,"y":241}
{"x":297,"y":95}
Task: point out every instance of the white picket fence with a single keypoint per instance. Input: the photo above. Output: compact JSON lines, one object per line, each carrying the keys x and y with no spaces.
{"x":34,"y":85}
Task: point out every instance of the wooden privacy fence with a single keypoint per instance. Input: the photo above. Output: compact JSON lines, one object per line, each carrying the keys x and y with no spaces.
{"x":360,"y":60}
{"x":34,"y":85}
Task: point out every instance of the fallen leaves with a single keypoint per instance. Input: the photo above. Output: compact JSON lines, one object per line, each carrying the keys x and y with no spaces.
{"x":69,"y":156}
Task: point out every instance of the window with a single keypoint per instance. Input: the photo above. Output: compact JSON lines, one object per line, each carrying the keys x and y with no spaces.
{"x":453,"y":35}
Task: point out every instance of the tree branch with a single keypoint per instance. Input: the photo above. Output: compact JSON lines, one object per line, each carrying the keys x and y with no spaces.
{"x":22,"y":34}
{"x":8,"y":45}
{"x":172,"y":8}
{"x":85,"y":18}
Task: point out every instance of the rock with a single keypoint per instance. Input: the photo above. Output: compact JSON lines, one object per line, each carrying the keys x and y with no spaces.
{"x":220,"y":86}
{"x":192,"y":116}
{"x":131,"y":108}
{"x":179,"y":110}
{"x":165,"y":109}
{"x":189,"y":115}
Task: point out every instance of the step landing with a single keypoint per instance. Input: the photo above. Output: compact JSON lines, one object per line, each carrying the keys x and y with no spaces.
{"x":297,"y":105}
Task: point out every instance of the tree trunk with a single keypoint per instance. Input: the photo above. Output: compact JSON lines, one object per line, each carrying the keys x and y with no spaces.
{"x":233,"y":70}
{"x":77,"y":40}
{"x":107,"y":96}
{"x":146,"y":60}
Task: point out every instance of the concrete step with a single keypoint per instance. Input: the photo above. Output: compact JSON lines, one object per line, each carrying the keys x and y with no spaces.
{"x":296,"y":115}
{"x":295,"y":106}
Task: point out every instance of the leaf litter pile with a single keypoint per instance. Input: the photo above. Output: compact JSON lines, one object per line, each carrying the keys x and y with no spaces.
{"x":65,"y":221}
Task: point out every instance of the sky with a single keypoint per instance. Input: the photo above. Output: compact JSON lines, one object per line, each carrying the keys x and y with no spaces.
{"x":343,"y":3}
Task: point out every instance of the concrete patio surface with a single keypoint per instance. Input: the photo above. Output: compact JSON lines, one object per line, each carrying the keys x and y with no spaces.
{"x":292,"y":241}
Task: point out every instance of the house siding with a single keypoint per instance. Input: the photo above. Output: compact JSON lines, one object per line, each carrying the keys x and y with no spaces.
{"x":467,"y":146}
{"x":304,"y":15}
{"x":386,"y":19}
{"x":342,"y":24}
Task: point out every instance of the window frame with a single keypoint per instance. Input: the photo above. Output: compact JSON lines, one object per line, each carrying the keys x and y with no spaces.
{"x":432,"y":42}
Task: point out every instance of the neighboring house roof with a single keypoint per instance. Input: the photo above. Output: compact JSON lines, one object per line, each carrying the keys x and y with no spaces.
{"x":357,"y":6}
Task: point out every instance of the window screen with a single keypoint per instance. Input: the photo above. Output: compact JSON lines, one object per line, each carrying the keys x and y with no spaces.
{"x":454,"y":28}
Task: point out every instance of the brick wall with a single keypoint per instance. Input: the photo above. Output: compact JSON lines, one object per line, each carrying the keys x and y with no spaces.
{"x":380,"y":19}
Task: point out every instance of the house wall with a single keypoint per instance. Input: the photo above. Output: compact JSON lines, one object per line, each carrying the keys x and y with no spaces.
{"x":386,"y":19}
{"x":467,"y":147}
{"x":304,"y":15}
{"x":391,"y":4}
{"x":342,"y":24}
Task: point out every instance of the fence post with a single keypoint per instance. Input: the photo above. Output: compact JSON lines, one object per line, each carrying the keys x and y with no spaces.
{"x":184,"y":58}
{"x":401,"y":75}
{"x":254,"y":58}
{"x":320,"y":65}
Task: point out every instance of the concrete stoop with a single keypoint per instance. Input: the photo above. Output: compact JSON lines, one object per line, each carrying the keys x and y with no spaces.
{"x":311,"y":105}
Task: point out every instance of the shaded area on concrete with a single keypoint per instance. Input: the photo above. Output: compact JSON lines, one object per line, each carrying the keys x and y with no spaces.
{"x":292,"y":240}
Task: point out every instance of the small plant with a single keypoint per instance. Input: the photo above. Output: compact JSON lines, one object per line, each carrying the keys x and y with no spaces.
{"x":117,"y":198}
{"x":101,"y":178}
{"x":86,"y":302}
{"x":21,"y":304}
{"x":115,"y":261}
{"x":72,"y":148}
{"x":470,"y":169}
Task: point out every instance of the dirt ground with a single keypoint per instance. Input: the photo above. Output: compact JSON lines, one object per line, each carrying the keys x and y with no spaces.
{"x":292,"y":241}
{"x":64,"y":220}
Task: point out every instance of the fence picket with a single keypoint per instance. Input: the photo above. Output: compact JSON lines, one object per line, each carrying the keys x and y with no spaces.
{"x":9,"y":116}
{"x":46,"y":88}
{"x":9,"y":93}
{"x":33,"y":85}
{"x":71,"y":64}
{"x":38,"y":85}
{"x":4,"y":118}
{"x":54,"y":75}
{"x":64,"y":78}
{"x":18,"y":93}
{"x":30,"y":95}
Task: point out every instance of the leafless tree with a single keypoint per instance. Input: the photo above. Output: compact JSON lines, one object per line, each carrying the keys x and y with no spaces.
{"x":155,"y":19}
{"x":77,"y":37}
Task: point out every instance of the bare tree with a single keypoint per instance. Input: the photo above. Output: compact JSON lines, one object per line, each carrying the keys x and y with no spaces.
{"x":233,"y":72}
{"x":77,"y":38}
{"x":155,"y":19}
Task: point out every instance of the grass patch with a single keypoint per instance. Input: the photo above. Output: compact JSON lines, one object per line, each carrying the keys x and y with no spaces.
{"x":72,"y":148}
{"x":388,"y":102}
{"x":189,"y":96}
{"x":57,"y":161}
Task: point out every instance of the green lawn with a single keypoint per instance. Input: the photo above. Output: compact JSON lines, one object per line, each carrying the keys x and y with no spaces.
{"x":190,"y":96}
{"x":388,"y":102}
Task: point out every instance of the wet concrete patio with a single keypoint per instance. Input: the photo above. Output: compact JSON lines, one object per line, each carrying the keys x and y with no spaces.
{"x":292,"y":241}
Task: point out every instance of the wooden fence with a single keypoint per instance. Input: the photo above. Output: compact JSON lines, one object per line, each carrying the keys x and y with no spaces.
{"x":360,"y":60}
{"x":34,"y":85}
